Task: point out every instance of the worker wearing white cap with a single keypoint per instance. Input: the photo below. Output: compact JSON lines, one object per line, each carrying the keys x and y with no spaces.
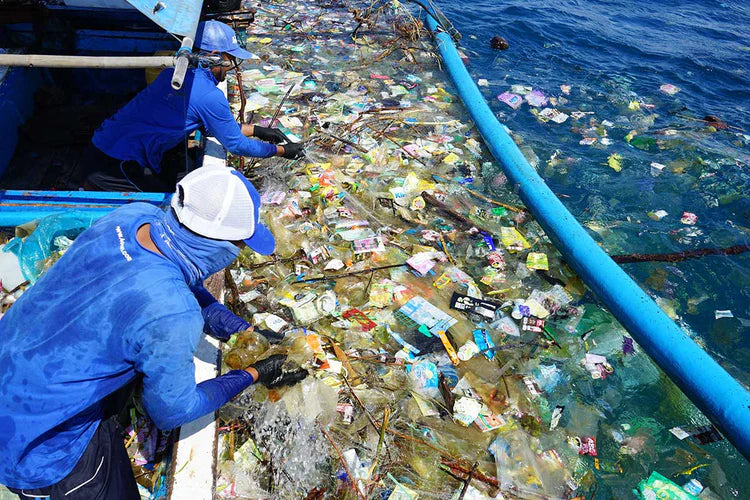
{"x":116,"y":309}
{"x":142,"y":146}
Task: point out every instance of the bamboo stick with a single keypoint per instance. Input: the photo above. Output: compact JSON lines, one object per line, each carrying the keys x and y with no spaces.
{"x":56,"y":61}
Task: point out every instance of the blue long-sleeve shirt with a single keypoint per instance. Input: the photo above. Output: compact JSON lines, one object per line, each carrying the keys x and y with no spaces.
{"x":107,"y":311}
{"x":159,"y":117}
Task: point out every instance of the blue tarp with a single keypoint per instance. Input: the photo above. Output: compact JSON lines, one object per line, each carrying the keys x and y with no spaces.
{"x":179,"y":17}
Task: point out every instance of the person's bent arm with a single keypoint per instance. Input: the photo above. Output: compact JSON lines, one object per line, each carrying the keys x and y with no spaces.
{"x":165,"y":358}
{"x":219,"y":122}
{"x":218,"y":321}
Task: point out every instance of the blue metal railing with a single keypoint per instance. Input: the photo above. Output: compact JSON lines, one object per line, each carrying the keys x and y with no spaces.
{"x":19,"y":207}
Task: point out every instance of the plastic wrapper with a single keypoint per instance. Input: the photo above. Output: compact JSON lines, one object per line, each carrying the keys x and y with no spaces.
{"x":51,"y":236}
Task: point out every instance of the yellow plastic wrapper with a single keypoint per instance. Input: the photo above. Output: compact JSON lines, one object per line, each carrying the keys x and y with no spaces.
{"x":512,"y":239}
{"x":536,"y":260}
{"x":381,"y":294}
{"x":615,"y":162}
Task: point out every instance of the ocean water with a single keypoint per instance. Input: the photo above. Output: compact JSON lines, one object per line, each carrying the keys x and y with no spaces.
{"x":613,"y":54}
{"x":608,"y":59}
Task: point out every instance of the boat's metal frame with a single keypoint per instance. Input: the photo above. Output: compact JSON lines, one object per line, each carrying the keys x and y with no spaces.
{"x":19,"y":207}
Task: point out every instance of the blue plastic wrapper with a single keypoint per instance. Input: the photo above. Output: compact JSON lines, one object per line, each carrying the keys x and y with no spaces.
{"x":45,"y":240}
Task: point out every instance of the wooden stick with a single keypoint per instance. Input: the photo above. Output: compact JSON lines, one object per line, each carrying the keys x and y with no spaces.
{"x":379,"y":134}
{"x":243,"y":102}
{"x":445,"y":249}
{"x":492,"y":481}
{"x":442,"y":207}
{"x":512,"y":208}
{"x":234,"y":291}
{"x":396,"y":433}
{"x":345,"y":275}
{"x":679,"y":256}
{"x":383,"y":428}
{"x":341,"y":355}
{"x":359,"y":402}
{"x":132,"y":438}
{"x":316,"y":493}
{"x":341,"y":139}
{"x":383,"y":109}
{"x":375,"y":360}
{"x":468,"y":481}
{"x":343,"y":462}
{"x":243,"y":98}
{"x":401,"y":147}
{"x":444,"y":453}
{"x":273,"y":119}
{"x":283,"y":100}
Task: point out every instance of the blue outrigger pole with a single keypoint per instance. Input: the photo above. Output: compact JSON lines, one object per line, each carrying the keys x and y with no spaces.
{"x":718,"y":395}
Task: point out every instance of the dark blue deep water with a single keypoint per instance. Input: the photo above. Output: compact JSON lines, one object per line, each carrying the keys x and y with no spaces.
{"x":617,"y":52}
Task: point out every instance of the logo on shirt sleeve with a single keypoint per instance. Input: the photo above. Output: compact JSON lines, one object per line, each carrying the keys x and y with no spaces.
{"x":120,"y":237}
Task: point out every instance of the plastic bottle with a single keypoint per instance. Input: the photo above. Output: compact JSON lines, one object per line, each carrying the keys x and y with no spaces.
{"x":247,"y":348}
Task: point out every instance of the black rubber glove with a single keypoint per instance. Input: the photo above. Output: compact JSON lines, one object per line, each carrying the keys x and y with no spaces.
{"x":271,"y":336}
{"x":293,"y":150}
{"x":288,"y":378}
{"x":272,"y":135}
{"x":271,"y":375}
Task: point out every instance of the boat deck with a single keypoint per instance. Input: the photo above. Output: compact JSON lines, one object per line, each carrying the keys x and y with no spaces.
{"x":51,"y":144}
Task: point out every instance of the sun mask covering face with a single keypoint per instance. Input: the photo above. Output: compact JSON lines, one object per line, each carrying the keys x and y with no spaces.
{"x":196,"y":256}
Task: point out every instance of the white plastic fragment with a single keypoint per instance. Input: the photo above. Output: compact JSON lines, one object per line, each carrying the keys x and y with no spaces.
{"x":334,"y":265}
{"x":723,"y":314}
{"x":657,"y":169}
{"x":679,"y":433}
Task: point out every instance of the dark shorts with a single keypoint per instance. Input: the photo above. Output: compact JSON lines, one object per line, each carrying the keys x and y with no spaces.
{"x":104,"y":173}
{"x":102,"y":473}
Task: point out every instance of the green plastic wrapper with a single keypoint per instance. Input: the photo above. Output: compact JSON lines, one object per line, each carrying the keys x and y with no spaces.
{"x":659,"y":487}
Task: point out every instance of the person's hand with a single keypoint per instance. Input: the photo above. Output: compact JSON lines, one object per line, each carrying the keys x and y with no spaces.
{"x":272,"y":135}
{"x":271,"y":336}
{"x":221,"y":323}
{"x":292,"y":150}
{"x":271,"y":375}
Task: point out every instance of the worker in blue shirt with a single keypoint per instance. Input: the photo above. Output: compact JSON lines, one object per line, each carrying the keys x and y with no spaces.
{"x":117,"y":308}
{"x":143,"y":146}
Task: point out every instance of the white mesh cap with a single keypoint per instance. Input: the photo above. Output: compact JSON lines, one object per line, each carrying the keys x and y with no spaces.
{"x":219,"y":203}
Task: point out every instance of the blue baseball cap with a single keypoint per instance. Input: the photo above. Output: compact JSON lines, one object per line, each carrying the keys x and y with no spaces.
{"x":217,"y":36}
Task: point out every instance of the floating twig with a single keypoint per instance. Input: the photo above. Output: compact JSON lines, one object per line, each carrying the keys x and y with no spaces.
{"x":679,"y":256}
{"x":383,"y":428}
{"x":359,"y":402}
{"x":342,"y":140}
{"x":402,"y":148}
{"x":343,"y":462}
{"x":512,"y":208}
{"x":468,"y":481}
{"x":346,"y":275}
